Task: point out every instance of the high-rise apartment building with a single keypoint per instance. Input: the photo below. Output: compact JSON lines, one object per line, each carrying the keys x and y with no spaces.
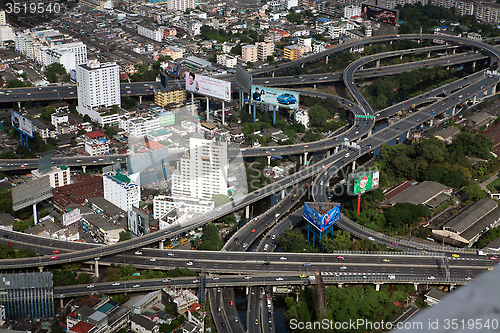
{"x":181,"y":5}
{"x":352,"y":10}
{"x":120,"y":190}
{"x":58,"y":175}
{"x":265,"y":50}
{"x":27,"y":295}
{"x":202,"y":171}
{"x":173,"y":96}
{"x":249,"y":53}
{"x":98,"y":88}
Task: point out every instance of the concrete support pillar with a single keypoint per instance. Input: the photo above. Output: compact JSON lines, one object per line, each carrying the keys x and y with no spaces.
{"x":62,"y":303}
{"x":340,"y":285}
{"x":416,"y":286}
{"x":19,"y":105}
{"x":336,"y":150}
{"x":40,"y":269}
{"x":208,"y":109}
{"x":474,"y":66}
{"x":140,"y":99}
{"x":328,"y":153}
{"x":454,"y":50}
{"x":354,"y":165}
{"x":452,"y":286}
{"x":161,"y":244}
{"x":274,"y":115}
{"x":475,"y":98}
{"x":370,"y":132}
{"x":268,"y":160}
{"x":305,"y":157}
{"x":428,"y":55}
{"x":314,"y":86}
{"x":302,"y":65}
{"x":35,"y":214}
{"x":377,"y":64}
{"x":453,"y":111}
{"x":494,"y":89}
{"x":397,"y":140}
{"x":96,"y":267}
{"x":247,"y":212}
{"x":282,"y":194}
{"x":377,"y":287}
{"x":223,"y":113}
{"x":273,"y":73}
{"x":300,"y":159}
{"x":84,"y":168}
{"x":408,"y":134}
{"x":401,"y":57}
{"x":254,"y":107}
{"x":431,"y":122}
{"x":247,"y":290}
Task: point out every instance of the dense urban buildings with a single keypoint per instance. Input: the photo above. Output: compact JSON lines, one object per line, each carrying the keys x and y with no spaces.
{"x":121,"y":190}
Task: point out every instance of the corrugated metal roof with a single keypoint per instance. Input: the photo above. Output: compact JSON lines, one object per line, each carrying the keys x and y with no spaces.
{"x":26,"y":280}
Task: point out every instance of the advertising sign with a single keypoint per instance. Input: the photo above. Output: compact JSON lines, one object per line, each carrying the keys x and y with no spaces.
{"x":208,"y":86}
{"x":138,"y":222}
{"x":31,"y":192}
{"x":276,"y":97}
{"x":319,"y":221}
{"x":172,"y":69}
{"x":23,"y":124}
{"x":361,"y":182}
{"x":379,"y":14}
{"x":71,"y":217}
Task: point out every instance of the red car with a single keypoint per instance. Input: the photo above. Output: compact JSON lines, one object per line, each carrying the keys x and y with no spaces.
{"x":55,"y":251}
{"x":10,"y":244}
{"x":493,"y":258}
{"x":254,"y":230}
{"x":53,"y":257}
{"x":396,"y":244}
{"x":231,"y":303}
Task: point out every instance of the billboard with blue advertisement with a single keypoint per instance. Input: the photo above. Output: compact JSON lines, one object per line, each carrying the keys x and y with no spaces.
{"x":321,"y":221}
{"x":276,"y":97}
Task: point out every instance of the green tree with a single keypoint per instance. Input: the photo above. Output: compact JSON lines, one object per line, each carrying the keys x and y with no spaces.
{"x":474,"y":192}
{"x":110,"y":132}
{"x":292,"y":240}
{"x":124,"y":236}
{"x":84,"y":278}
{"x":211,"y":241}
{"x":53,"y":70}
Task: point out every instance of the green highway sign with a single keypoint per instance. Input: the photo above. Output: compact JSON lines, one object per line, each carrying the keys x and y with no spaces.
{"x":366,"y":117}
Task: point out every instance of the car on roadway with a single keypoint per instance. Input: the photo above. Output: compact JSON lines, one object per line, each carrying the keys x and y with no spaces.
{"x":53,"y":257}
{"x":283,"y":258}
{"x":279,"y":279}
{"x":29,"y":94}
{"x":256,"y":321}
{"x":454,"y":255}
{"x":10,"y":244}
{"x":468,"y":278}
{"x":171,"y":254}
{"x":490,"y":268}
{"x":395,"y":244}
{"x":115,"y":284}
{"x":129,"y":92}
{"x":386,"y":260}
{"x":55,"y":251}
{"x":90,"y":286}
{"x":340,"y":257}
{"x":152,"y":259}
{"x":343,"y":267}
{"x":286,"y":99}
{"x":231,"y":302}
{"x":78,"y":161}
{"x":302,"y":275}
{"x":347,"y":155}
{"x":254,"y":230}
{"x":54,"y":90}
{"x":189,"y":263}
{"x":215,"y":278}
{"x":266,"y":82}
{"x":138,"y":252}
{"x":431,"y":277}
{"x":371,"y":238}
{"x":248,"y":277}
{"x":136,"y":286}
{"x":219,"y":209}
{"x":166,"y":280}
{"x":406,"y":102}
{"x":273,"y":237}
{"x":493,"y":258}
{"x":245,"y":245}
{"x":306,"y":146}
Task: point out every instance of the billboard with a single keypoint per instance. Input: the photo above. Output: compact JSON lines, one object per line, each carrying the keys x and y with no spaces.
{"x":379,"y":14}
{"x":138,"y":222}
{"x":31,"y":192}
{"x":208,"y":86}
{"x":361,"y":182}
{"x":172,"y":68}
{"x":23,"y":124}
{"x":276,"y":97}
{"x":321,"y":221}
{"x":71,"y":217}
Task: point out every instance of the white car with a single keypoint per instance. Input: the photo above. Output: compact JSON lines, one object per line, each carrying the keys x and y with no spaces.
{"x":189,"y":263}
{"x":215,"y":278}
{"x":431,"y":278}
{"x":468,"y":278}
{"x":273,"y":237}
{"x":136,"y":286}
{"x":371,"y":238}
{"x":347,"y":155}
{"x":283,"y":258}
{"x":219,"y":209}
{"x":343,"y":267}
{"x":196,"y":281}
{"x":90,"y":286}
{"x":166,"y":280}
{"x":171,"y":254}
{"x":152,"y":259}
{"x":115,"y":284}
{"x":279,"y":279}
{"x":29,"y":94}
{"x":321,"y":183}
{"x":138,"y":252}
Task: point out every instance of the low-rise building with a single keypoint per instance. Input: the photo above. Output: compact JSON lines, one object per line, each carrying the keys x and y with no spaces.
{"x":120,"y":190}
{"x":175,"y":96}
{"x":141,"y":324}
{"x":181,"y":298}
{"x":227,"y":60}
{"x":159,"y":135}
{"x":479,"y":119}
{"x":58,"y":176}
{"x":434,"y":296}
{"x":163,"y":204}
{"x":431,"y":194}
{"x":147,"y":301}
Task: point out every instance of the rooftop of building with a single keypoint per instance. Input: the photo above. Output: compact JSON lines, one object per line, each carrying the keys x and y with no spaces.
{"x":154,"y":145}
{"x":479,"y":116}
{"x":143,"y":321}
{"x":94,"y":134}
{"x":437,"y":294}
{"x":26,"y":280}
{"x":469,"y":215}
{"x":82,"y":327}
{"x":107,"y":207}
{"x":146,"y":298}
{"x":420,"y":193}
{"x":448,"y":132}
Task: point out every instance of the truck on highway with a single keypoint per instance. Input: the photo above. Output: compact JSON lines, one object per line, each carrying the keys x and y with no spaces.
{"x":312,"y":278}
{"x":481,"y":253}
{"x":391,"y":277}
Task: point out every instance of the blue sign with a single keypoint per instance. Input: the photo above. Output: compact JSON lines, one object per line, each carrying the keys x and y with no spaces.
{"x":321,"y":222}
